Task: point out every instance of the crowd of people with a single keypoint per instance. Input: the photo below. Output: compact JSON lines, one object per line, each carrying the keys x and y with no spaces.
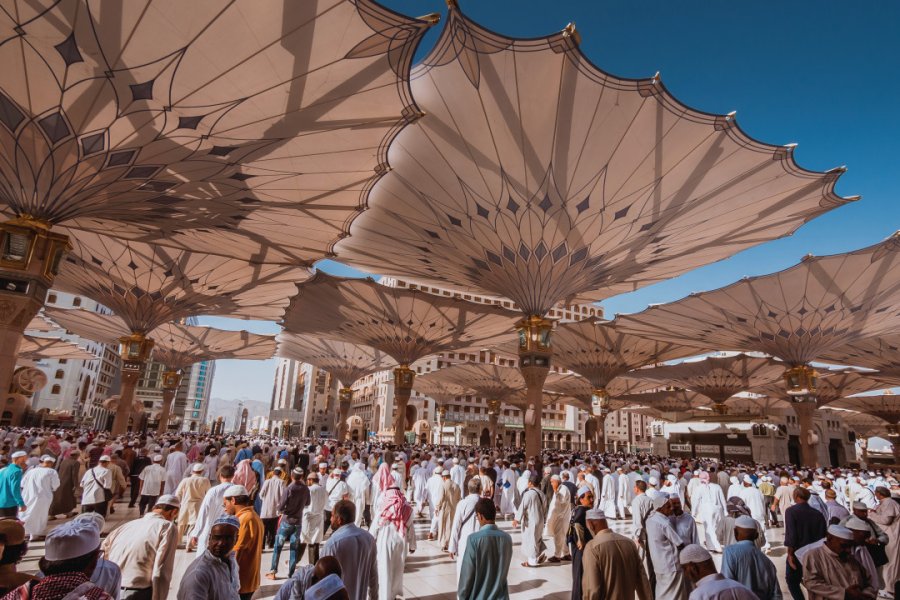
{"x":351,"y":508}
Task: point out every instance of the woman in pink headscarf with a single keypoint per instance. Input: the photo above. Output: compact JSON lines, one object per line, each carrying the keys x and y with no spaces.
{"x":394,"y":534}
{"x":245,"y":475}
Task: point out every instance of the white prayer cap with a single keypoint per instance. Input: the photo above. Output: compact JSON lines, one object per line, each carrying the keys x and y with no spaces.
{"x":71,"y":540}
{"x":324,"y":588}
{"x":423,"y":463}
{"x":19,"y":454}
{"x":671,"y":478}
{"x":104,"y":458}
{"x":47,"y":457}
{"x":445,"y":473}
{"x":595,"y":514}
{"x":335,"y":471}
{"x":235,"y":490}
{"x":694,"y":553}
{"x":157,"y":458}
{"x":198,"y":468}
{"x":653,"y":481}
{"x":839,"y":531}
{"x":455,"y":461}
{"x":582,"y":491}
{"x":323,"y":465}
{"x":438,"y":470}
{"x":172,"y":500}
{"x":860,"y":506}
{"x":745,"y":522}
{"x":856,"y":524}
{"x":659,"y":500}
{"x":748,"y":479}
{"x":733,"y":479}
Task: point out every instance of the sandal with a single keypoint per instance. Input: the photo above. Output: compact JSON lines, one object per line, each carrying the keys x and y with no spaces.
{"x":271,"y":575}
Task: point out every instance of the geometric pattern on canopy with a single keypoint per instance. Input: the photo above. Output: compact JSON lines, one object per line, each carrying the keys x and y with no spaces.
{"x":219,"y":127}
{"x":717,"y":377}
{"x":536,"y":176}
{"x":35,"y":348}
{"x":883,"y":406}
{"x":345,"y":361}
{"x":489,"y":381}
{"x":176,"y":346}
{"x":666,"y":401}
{"x":405,"y":324}
{"x":148,"y":285}
{"x":754,"y":405}
{"x":864,"y":425}
{"x":797,"y":315}
{"x":881,"y":353}
{"x":600,"y":352}
{"x":832,"y":385}
{"x":578,"y":391}
{"x":40,"y":324}
{"x":442,"y":392}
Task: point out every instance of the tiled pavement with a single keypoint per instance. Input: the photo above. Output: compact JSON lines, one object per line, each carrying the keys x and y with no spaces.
{"x":429,"y":574}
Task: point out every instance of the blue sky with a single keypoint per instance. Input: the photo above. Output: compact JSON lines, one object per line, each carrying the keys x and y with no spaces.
{"x":821,"y":74}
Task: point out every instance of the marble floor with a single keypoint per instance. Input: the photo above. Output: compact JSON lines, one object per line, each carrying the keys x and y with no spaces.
{"x":429,"y":574}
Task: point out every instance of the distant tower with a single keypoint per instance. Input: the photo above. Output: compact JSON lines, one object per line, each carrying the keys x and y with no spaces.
{"x":243,"y":429}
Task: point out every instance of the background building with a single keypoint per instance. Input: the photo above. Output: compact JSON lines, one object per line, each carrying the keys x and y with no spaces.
{"x":304,"y":400}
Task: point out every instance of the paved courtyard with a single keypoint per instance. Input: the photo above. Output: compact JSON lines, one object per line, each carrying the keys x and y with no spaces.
{"x":430,"y":574}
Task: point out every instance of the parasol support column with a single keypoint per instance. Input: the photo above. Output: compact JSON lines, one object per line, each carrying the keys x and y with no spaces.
{"x":135,"y":351}
{"x":30,"y":256}
{"x":493,"y":420}
{"x":170,"y":382}
{"x":534,"y":363}
{"x":600,"y":408}
{"x":403,"y":383}
{"x":805,"y":408}
{"x":441,"y":416}
{"x":345,"y":400}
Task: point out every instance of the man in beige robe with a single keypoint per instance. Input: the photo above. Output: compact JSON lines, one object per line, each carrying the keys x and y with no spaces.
{"x":612,"y":567}
{"x":445,"y":506}
{"x":831,"y":571}
{"x":887,"y":516}
{"x":190,"y":492}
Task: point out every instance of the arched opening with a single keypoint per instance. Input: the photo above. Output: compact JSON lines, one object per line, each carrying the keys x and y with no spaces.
{"x":485,"y":439}
{"x":310,"y":431}
{"x":193,"y":425}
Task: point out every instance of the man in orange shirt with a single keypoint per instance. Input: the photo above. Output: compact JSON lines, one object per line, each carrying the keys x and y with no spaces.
{"x":248,"y":549}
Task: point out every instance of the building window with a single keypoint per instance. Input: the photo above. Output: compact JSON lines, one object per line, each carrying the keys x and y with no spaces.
{"x":59,"y":374}
{"x":76,"y":301}
{"x":55,"y":389}
{"x":51,"y":299}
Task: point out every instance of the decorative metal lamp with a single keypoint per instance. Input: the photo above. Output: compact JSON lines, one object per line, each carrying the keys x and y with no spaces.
{"x":135,"y":350}
{"x":801,"y":381}
{"x":534,"y":342}
{"x":171,"y":380}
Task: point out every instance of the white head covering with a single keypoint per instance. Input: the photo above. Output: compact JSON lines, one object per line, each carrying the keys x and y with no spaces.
{"x":198,"y":468}
{"x":71,"y":540}
{"x":694,"y":553}
{"x":745,"y":522}
{"x":324,"y":588}
{"x":659,"y":500}
{"x":171,"y":500}
{"x":839,"y":531}
{"x":19,"y":454}
{"x":856,"y":524}
{"x":595,"y":514}
{"x":235,"y":490}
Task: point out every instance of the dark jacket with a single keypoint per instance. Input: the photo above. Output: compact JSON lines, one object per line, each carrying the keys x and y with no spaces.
{"x":296,"y":499}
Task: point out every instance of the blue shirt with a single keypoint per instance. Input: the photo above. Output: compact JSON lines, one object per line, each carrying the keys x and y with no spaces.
{"x":485,"y":565}
{"x":745,"y":563}
{"x":11,"y":486}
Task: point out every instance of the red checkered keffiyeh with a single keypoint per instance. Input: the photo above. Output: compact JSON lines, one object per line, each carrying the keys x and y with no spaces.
{"x":55,"y":587}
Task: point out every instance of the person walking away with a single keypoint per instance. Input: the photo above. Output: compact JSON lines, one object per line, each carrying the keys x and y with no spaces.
{"x":152,"y":483}
{"x":69,"y":472}
{"x":708,"y":508}
{"x":578,"y":537}
{"x":558,"y":515}
{"x":665,"y":544}
{"x":530,"y":515}
{"x":836,"y":512}
{"x":887,"y":516}
{"x":312,"y":528}
{"x":248,"y":547}
{"x":272,"y":493}
{"x":119,"y":483}
{"x":802,"y":525}
{"x":38,"y":487}
{"x":292,"y":506}
{"x":11,"y":502}
{"x":337,"y":490}
{"x":360,"y":491}
{"x":211,"y":509}
{"x":144,"y":549}
{"x":768,"y":491}
{"x":445,"y":507}
{"x":700,"y":570}
{"x":15,"y":545}
{"x":213,"y":574}
{"x":176,"y":466}
{"x":465,"y":523}
{"x":641,"y":508}
{"x":611,"y":565}
{"x":745,"y":563}
{"x":434,"y":487}
{"x":831,"y":571}
{"x":97,"y":487}
{"x":392,"y":528}
{"x":140,"y":462}
{"x":488,"y":553}
{"x":107,"y":574}
{"x":71,"y":552}
{"x":353,"y":546}
{"x":190,"y":493}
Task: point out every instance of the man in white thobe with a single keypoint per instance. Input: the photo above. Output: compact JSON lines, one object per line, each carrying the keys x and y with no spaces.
{"x":458,"y":474}
{"x":360,"y":490}
{"x":434,"y":487}
{"x":608,"y":495}
{"x":558,"y":516}
{"x":38,"y":485}
{"x":508,"y":490}
{"x":176,"y":466}
{"x":594,"y":483}
{"x":624,"y":493}
{"x":465,"y":523}
{"x":756,"y":504}
{"x":312,"y":528}
{"x":708,"y":508}
{"x":211,"y":508}
{"x":530,"y":515}
{"x":420,"y":474}
{"x":664,"y":544}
